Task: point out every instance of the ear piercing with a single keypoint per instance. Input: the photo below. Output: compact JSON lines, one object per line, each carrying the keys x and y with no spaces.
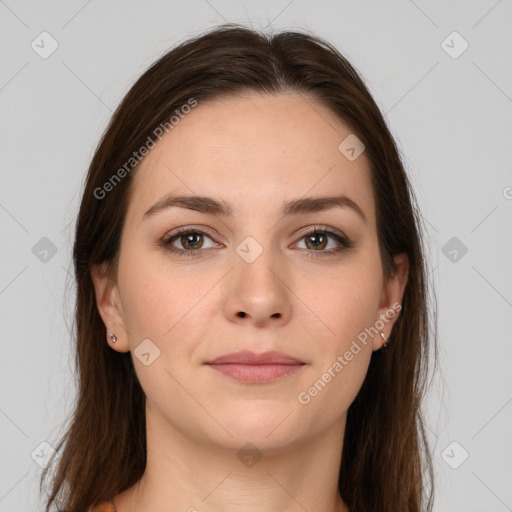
{"x":386,"y":341}
{"x":113,"y":338}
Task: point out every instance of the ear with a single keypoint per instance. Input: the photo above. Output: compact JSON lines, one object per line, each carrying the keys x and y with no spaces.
{"x":391,"y":299}
{"x":109,"y":306}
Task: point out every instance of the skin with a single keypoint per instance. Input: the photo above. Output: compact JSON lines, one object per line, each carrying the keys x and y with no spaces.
{"x":254,"y":152}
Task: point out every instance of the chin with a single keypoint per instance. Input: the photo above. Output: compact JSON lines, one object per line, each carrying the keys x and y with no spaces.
{"x":261,"y":422}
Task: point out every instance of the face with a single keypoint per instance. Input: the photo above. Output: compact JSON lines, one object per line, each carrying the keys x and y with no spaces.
{"x":249,"y":272}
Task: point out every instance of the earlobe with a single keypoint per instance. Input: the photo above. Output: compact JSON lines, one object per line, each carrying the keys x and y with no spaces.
{"x":108,"y":305}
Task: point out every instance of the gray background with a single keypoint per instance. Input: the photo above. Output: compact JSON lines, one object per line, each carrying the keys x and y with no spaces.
{"x":450,"y":116}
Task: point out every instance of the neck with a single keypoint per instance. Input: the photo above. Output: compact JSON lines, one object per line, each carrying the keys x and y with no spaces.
{"x":193,"y":475}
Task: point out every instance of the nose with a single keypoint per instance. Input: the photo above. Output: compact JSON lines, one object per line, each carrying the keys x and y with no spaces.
{"x":258,"y":293}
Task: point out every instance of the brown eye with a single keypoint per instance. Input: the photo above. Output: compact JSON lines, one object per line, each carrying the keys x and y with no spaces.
{"x":316,"y":241}
{"x":192,"y":240}
{"x":188,"y":242}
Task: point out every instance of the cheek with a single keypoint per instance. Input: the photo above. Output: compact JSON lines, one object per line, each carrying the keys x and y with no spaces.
{"x":348,"y":309}
{"x":164,"y":302}
{"x":339,"y":370}
{"x":347,"y":301}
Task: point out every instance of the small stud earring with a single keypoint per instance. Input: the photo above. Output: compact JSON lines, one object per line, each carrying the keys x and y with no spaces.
{"x":112,"y":337}
{"x":386,"y":341}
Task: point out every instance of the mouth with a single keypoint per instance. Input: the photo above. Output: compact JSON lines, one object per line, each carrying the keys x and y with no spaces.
{"x":252,"y":368}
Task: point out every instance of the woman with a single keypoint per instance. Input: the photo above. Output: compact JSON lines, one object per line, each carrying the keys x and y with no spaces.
{"x":252,"y":323}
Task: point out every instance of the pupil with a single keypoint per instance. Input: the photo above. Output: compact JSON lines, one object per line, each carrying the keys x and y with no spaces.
{"x":190,"y":239}
{"x":317,"y":240}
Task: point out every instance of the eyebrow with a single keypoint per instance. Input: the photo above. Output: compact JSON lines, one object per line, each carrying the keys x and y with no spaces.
{"x":209,"y":205}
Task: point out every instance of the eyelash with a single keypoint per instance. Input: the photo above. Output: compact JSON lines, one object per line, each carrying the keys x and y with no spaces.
{"x":342,"y":240}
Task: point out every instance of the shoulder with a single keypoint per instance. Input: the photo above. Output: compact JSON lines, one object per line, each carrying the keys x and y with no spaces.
{"x":104,"y":506}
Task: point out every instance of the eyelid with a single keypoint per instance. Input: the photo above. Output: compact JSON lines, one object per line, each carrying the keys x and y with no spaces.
{"x":322,"y":228}
{"x":192,"y":228}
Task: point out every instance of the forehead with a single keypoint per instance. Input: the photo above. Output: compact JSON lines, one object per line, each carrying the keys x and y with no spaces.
{"x":252,"y":151}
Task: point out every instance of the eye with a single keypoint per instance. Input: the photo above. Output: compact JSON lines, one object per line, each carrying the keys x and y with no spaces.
{"x":191,"y":242}
{"x":322,"y":241}
{"x":317,"y":240}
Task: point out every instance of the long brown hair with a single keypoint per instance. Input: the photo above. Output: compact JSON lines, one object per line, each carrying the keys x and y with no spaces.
{"x":386,"y":464}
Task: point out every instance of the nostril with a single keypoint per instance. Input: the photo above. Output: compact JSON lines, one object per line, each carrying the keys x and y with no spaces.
{"x":241,"y":314}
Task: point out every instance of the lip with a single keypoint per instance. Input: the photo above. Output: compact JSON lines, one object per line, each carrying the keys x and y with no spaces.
{"x":248,"y":357}
{"x":252,"y":368}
